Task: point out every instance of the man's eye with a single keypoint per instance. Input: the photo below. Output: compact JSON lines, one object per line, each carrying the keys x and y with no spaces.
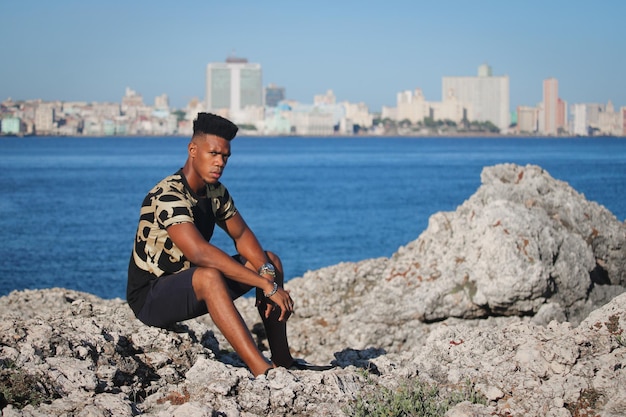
{"x":225,"y":156}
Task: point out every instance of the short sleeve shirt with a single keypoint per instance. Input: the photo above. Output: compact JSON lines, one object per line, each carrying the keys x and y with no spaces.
{"x":171,"y":202}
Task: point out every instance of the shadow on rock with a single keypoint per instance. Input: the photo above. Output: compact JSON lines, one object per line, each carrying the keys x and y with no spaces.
{"x":359,"y":359}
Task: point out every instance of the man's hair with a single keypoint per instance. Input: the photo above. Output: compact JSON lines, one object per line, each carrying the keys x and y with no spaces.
{"x":212,"y":124}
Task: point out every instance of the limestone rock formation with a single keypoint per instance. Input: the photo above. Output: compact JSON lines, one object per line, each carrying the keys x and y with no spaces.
{"x":524,"y":245}
{"x":517,"y":294}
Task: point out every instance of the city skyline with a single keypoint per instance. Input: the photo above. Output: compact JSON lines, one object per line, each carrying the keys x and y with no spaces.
{"x":74,"y":51}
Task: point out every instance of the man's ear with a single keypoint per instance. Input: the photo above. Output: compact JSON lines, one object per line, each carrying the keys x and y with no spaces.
{"x":192,"y":148}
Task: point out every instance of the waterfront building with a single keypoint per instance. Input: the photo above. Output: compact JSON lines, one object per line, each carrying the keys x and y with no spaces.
{"x":313,"y":120}
{"x":274,"y":95}
{"x":590,"y":119}
{"x":486,"y":94}
{"x":527,"y":120}
{"x":610,"y":121}
{"x":390,"y":113}
{"x":132,"y":103}
{"x":193,"y":107}
{"x":162,"y":102}
{"x":451,"y":108}
{"x":92,"y":126}
{"x":106,"y":110}
{"x":232,"y":87}
{"x":358,"y":114}
{"x":11,"y":126}
{"x":277,"y":120}
{"x":73,"y":107}
{"x":561,"y":117}
{"x":44,"y":119}
{"x":550,"y":106}
{"x":412,"y":106}
{"x":580,"y":119}
{"x":191,"y":110}
{"x":69,"y":125}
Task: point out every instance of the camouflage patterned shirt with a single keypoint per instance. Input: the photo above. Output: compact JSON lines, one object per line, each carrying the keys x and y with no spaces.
{"x":171,"y":202}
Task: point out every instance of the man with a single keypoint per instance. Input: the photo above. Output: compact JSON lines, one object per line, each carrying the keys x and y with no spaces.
{"x":176,"y":274}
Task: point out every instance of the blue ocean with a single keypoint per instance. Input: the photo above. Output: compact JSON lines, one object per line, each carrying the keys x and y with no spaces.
{"x":69,"y":206}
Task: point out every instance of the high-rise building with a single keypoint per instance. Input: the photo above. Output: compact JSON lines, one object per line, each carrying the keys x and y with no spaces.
{"x":412,"y":106}
{"x":274,"y":95}
{"x":550,"y":105}
{"x":232,"y":86}
{"x":44,"y":118}
{"x":586,"y":118}
{"x":527,"y":122}
{"x":485,"y":94}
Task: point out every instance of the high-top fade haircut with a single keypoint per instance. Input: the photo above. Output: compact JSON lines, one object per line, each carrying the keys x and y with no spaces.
{"x":212,"y":124}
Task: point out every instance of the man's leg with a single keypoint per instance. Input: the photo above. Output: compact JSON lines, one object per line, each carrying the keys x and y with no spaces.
{"x":210,"y":286}
{"x":275,"y":330}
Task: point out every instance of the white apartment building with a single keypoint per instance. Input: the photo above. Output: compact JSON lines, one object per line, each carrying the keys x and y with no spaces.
{"x":132,"y":103}
{"x":358,"y":114}
{"x":451,"y":108}
{"x":387,"y":112}
{"x":44,"y":118}
{"x":312,"y":120}
{"x":527,"y":120}
{"x":610,"y":122}
{"x":412,"y":106}
{"x":594,"y":118}
{"x":580,"y":119}
{"x":234,"y":89}
{"x":487,"y":95}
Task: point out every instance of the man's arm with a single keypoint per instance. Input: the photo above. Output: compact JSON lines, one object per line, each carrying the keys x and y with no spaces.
{"x":201,"y":253}
{"x":249,"y":247}
{"x":245,"y":240}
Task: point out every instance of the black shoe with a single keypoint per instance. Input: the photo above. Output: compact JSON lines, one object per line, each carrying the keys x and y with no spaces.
{"x":302,"y":365}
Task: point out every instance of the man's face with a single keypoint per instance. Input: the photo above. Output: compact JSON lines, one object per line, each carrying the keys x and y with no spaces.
{"x":209,"y":155}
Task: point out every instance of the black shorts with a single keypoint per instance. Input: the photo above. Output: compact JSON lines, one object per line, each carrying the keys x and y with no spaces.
{"x":172,"y":299}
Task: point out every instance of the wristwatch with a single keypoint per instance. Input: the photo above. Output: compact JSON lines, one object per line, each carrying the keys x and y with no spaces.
{"x":267,"y":269}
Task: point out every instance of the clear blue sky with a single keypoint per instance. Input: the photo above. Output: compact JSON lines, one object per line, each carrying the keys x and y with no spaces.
{"x":365,"y":51}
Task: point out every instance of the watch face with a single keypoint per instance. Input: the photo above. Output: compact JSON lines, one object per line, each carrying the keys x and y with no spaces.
{"x":268,"y":269}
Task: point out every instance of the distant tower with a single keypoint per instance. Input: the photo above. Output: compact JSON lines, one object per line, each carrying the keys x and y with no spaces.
{"x":486,"y":94}
{"x":274,"y":95}
{"x":550,"y":106}
{"x":233,"y":85}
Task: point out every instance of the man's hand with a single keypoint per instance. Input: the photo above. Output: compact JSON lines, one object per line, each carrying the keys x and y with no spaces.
{"x":280,"y":299}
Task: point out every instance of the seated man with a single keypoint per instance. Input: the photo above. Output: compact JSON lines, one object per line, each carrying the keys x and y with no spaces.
{"x":176,"y":274}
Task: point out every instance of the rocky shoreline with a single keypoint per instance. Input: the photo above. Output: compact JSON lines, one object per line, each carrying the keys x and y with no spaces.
{"x":518,"y":294}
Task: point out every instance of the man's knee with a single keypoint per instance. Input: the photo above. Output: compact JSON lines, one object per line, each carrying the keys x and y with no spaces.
{"x":204,"y":279}
{"x":274,"y":259}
